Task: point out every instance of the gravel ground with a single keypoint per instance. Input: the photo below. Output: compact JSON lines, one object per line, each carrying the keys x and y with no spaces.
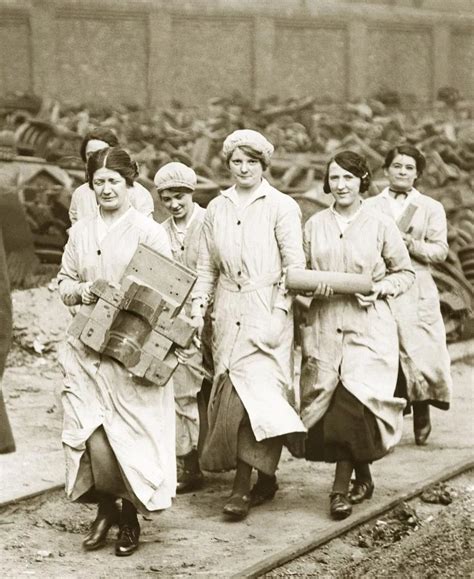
{"x":437,"y":542}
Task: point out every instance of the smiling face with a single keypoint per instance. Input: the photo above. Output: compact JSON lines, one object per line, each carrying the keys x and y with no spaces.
{"x":402,"y":173}
{"x":246,"y":171}
{"x":179,"y":203}
{"x":345,"y":186}
{"x":110,"y":189}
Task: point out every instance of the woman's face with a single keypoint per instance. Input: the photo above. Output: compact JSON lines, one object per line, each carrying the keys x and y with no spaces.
{"x":402,"y":173}
{"x":247,"y":172}
{"x":179,"y":204}
{"x":95,"y":145}
{"x":344,"y":185}
{"x":110,"y":189}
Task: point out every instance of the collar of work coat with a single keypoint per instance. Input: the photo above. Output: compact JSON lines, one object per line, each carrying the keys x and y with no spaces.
{"x":262,"y":190}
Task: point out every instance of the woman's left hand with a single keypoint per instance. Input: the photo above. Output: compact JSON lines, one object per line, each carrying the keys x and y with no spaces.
{"x":379,"y":290}
{"x":184,"y":355}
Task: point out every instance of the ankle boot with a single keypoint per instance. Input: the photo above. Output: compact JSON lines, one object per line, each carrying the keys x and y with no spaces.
{"x":107,"y":516}
{"x":421,"y":422}
{"x":264,"y":489}
{"x":129,"y":531}
{"x":190,"y":478}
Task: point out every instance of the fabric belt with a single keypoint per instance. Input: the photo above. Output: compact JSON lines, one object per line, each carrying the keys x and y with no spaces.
{"x":249,"y":285}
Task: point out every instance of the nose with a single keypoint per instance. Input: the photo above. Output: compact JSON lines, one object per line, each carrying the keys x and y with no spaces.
{"x":244,"y":167}
{"x":174,"y":204}
{"x":107,"y":187}
{"x":341,"y":184}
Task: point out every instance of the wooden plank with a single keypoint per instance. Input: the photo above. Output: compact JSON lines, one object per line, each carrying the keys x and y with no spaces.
{"x":405,"y":219}
{"x":172,"y":280}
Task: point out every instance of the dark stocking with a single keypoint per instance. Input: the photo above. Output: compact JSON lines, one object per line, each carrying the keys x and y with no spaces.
{"x":342,"y":477}
{"x":362,"y":472}
{"x":242,"y":478}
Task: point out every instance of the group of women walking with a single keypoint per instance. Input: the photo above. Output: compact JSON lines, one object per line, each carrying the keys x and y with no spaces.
{"x":364,"y":356}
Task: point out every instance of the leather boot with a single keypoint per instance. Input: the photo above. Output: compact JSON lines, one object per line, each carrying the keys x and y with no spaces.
{"x":421,"y":422}
{"x":129,"y":531}
{"x":340,"y":506}
{"x":263,"y":490}
{"x":107,"y":516}
{"x":190,"y":478}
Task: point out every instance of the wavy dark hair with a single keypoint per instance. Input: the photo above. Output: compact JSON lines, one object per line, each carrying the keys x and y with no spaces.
{"x":409,"y":151}
{"x":98,"y":134}
{"x":355,"y":164}
{"x":115,"y":159}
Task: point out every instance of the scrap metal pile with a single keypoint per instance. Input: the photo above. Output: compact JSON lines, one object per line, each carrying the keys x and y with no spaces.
{"x":305,"y":135}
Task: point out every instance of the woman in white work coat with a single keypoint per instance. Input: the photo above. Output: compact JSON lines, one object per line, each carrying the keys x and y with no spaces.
{"x":425,"y":377}
{"x":83,"y":199}
{"x":175,"y":184}
{"x":251,"y":233}
{"x":350,"y":345}
{"x":118,"y":435}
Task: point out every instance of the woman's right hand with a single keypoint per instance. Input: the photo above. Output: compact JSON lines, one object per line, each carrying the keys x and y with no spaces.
{"x":323,"y":290}
{"x":198,"y":323}
{"x":87,"y":297}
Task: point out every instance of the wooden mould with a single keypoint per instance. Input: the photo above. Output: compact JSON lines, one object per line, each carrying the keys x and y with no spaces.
{"x":139,"y":323}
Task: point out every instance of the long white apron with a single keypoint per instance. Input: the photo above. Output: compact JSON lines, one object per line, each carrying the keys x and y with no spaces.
{"x":347,"y":343}
{"x":139,"y":421}
{"x":424,"y":354}
{"x":243,"y":252}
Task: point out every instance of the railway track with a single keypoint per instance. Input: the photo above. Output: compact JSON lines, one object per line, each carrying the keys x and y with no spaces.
{"x":292,"y":553}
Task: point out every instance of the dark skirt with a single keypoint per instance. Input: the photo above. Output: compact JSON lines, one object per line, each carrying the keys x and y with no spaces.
{"x":348,"y":431}
{"x":230,"y":436}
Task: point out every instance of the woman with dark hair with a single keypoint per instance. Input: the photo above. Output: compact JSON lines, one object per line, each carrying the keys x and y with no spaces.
{"x":118,"y":434}
{"x":350,"y":345}
{"x":251,"y":233}
{"x":424,"y":376}
{"x":83,"y":200}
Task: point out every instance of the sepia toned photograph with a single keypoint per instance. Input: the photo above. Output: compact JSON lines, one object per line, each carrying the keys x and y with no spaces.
{"x":236,"y":289}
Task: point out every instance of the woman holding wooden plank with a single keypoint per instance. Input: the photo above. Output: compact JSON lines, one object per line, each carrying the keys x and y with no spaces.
{"x":251,"y":233}
{"x":118,"y":434}
{"x":424,"y":377}
{"x":350,"y":345}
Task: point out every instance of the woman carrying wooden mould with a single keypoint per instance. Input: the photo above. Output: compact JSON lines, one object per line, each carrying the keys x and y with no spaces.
{"x":424,"y":375}
{"x":118,"y":435}
{"x":350,"y":344}
{"x":83,"y":200}
{"x":251,"y":233}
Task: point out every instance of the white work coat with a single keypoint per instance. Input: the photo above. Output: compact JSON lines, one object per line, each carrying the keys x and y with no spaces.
{"x":84,"y":202}
{"x":139,"y":421}
{"x":242,"y":254}
{"x":187,"y":381}
{"x":348,"y":343}
{"x":423,"y":351}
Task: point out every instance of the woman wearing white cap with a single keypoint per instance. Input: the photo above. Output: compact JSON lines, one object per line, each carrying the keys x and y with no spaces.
{"x":251,"y":233}
{"x":175,"y":183}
